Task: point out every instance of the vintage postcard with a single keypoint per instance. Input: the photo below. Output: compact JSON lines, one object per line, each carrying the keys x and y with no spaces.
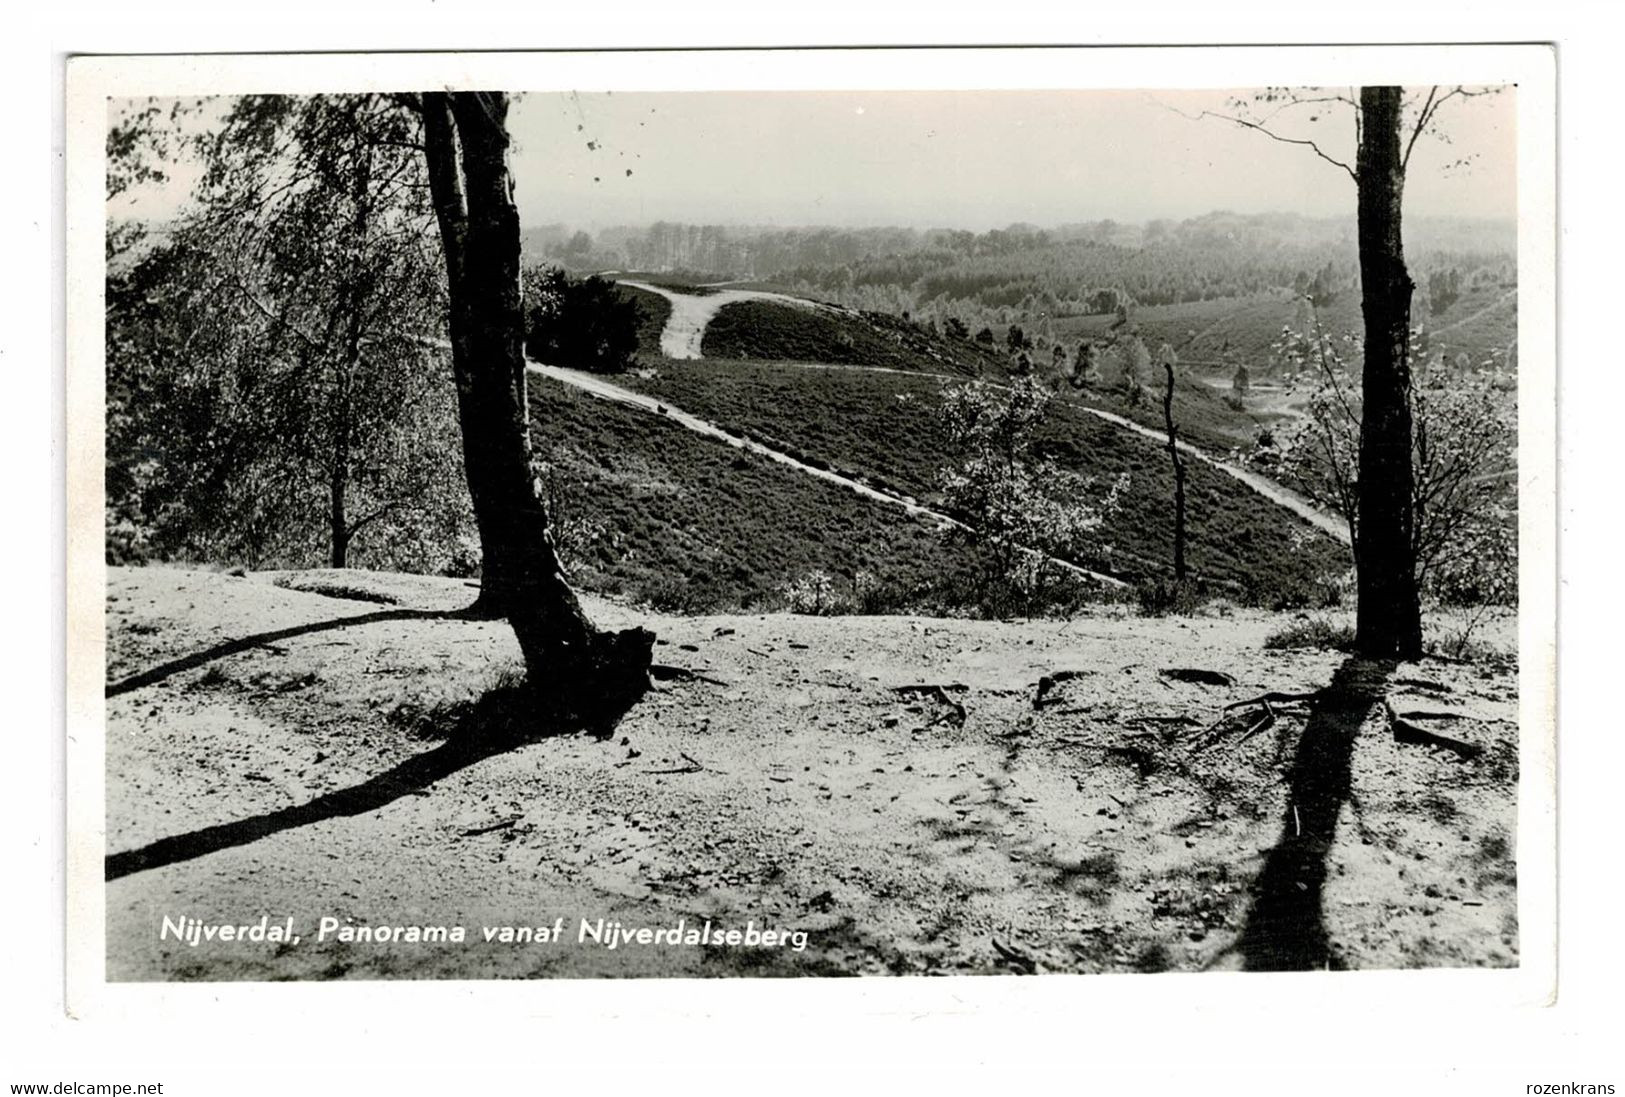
{"x":813,"y":513}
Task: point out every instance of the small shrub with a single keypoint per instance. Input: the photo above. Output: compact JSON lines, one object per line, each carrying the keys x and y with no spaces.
{"x":1458,"y":645}
{"x":669,"y":595}
{"x":1293,"y":593}
{"x":1040,"y":590}
{"x":212,"y":678}
{"x":813,"y":594}
{"x":1162,"y":596}
{"x":585,"y":324}
{"x":127,"y":540}
{"x":1310,"y":632}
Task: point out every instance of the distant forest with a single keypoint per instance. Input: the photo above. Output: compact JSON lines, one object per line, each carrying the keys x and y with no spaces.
{"x":1023,"y":270}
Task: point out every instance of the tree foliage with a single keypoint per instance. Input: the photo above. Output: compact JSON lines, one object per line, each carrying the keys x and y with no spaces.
{"x":581,"y":323}
{"x":1464,"y":460}
{"x":272,"y":398}
{"x":1019,"y":509}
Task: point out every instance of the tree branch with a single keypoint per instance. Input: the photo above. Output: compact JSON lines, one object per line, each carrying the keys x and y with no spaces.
{"x":273,"y":316}
{"x":1267,"y":132}
{"x":1428,"y":108}
{"x":355,"y":527}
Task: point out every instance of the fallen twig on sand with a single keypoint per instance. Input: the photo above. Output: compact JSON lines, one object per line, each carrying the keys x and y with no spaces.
{"x":694,"y":766}
{"x":1429,"y":714}
{"x":1425,"y":684}
{"x":939,"y":693}
{"x":474,"y":832}
{"x":1273,"y":698}
{"x":1212,"y":732}
{"x":1198,"y":676}
{"x":662,"y":672}
{"x":1264,"y":721}
{"x":1024,"y":963}
{"x":1162,"y":720}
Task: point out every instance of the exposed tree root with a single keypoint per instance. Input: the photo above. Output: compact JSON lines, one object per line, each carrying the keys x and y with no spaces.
{"x":1266,"y":719}
{"x":1406,"y":731}
{"x":1403,"y":725}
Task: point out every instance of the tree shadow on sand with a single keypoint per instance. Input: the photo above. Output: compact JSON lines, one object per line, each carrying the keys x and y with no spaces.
{"x":233,"y":647}
{"x":1286,"y":929}
{"x":503,"y":719}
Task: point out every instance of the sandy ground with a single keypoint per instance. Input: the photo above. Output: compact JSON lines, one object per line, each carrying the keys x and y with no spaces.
{"x":288,"y":754}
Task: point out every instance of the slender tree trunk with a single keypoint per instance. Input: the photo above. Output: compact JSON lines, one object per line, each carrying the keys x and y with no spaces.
{"x":466,"y":142}
{"x":1179,"y":477}
{"x":344,"y":397}
{"x":1389,"y":618}
{"x":341,"y":530}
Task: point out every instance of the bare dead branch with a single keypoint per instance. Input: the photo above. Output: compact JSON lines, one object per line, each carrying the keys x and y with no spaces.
{"x":1421,"y":124}
{"x":1272,"y":135}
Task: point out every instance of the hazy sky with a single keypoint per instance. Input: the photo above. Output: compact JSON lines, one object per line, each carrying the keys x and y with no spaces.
{"x":958,"y":159}
{"x":964,"y":159}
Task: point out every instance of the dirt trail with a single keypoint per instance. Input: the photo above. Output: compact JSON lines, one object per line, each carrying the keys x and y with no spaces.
{"x":691,"y":314}
{"x":1485,"y":311}
{"x":607,"y":390}
{"x":599,"y":387}
{"x":903,"y":790}
{"x":1261,"y":485}
{"x":1270,"y":490}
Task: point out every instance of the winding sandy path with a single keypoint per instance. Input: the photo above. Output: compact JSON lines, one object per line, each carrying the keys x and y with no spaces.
{"x":691,"y":314}
{"x":597,"y":386}
{"x":1269,"y":489}
{"x":685,"y":331}
{"x":1485,"y":311}
{"x":1329,"y":524}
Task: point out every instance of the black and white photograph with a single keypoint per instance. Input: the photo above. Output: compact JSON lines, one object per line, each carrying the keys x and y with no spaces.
{"x":536,"y":530}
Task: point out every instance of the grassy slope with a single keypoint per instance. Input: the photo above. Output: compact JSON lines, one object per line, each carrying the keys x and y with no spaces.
{"x":762,"y":329}
{"x":884,"y":427}
{"x":693,"y":524}
{"x":654,"y":311}
{"x":703,"y":527}
{"x":1200,"y":413}
{"x":1200,"y":330}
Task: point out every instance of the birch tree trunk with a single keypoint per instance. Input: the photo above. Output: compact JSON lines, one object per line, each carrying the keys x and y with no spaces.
{"x":466,"y":146}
